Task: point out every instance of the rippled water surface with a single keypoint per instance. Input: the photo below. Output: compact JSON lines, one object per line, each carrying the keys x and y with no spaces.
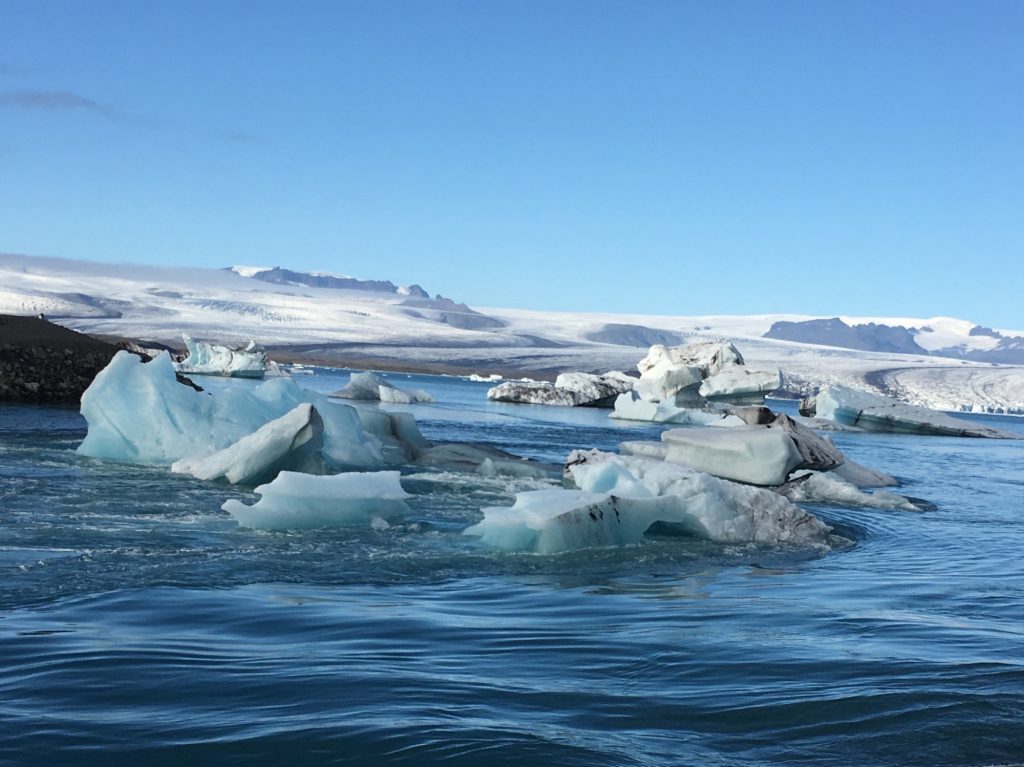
{"x":140,"y":624}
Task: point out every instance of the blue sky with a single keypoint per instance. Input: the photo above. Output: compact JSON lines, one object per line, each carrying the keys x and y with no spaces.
{"x":676,"y":157}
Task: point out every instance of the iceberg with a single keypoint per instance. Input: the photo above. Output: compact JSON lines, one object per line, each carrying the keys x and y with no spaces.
{"x":757,"y":455}
{"x":292,"y":442}
{"x":620,"y":499}
{"x":630,"y":406}
{"x":295,"y":501}
{"x":692,"y":377}
{"x":215,"y":360}
{"x":874,"y":412}
{"x":138,"y":413}
{"x":568,"y":390}
{"x":371,"y":387}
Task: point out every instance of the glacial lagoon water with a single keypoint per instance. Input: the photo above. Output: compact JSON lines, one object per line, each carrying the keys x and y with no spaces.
{"x":140,"y":625}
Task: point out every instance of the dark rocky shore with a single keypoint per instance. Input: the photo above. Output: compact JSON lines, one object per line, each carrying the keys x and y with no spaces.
{"x":43,"y":362}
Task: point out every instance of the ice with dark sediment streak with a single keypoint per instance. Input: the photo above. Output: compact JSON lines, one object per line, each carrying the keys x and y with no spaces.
{"x":568,"y":390}
{"x":296,"y":501}
{"x":619,"y":498}
{"x":213,"y":359}
{"x":874,"y":412}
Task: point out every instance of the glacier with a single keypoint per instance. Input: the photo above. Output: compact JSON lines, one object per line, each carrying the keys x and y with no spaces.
{"x":297,"y":501}
{"x":874,"y":412}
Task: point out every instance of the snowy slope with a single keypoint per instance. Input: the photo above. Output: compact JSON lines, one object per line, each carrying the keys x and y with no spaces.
{"x":159,"y":304}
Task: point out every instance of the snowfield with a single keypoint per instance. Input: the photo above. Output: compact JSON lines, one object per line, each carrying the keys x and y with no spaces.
{"x":398,"y":328}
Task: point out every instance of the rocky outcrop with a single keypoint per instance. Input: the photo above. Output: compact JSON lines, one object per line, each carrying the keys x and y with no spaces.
{"x":43,"y":362}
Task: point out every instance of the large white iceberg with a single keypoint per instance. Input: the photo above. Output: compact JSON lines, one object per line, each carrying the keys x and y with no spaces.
{"x":213,"y":359}
{"x":568,"y":390}
{"x":689,"y":376}
{"x":873,"y":412}
{"x":138,"y":412}
{"x":371,"y":387}
{"x":294,"y":501}
{"x":621,"y":498}
{"x":292,"y":442}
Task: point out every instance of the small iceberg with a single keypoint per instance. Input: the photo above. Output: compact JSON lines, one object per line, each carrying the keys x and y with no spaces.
{"x":370,"y":387}
{"x":214,"y":360}
{"x":874,"y":412}
{"x":568,"y":390}
{"x":297,"y":501}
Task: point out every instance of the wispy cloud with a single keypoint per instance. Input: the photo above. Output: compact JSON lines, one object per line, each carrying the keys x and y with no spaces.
{"x":57,"y":101}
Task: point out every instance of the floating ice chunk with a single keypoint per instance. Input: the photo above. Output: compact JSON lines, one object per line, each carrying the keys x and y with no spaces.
{"x":138,"y":412}
{"x":757,"y":455}
{"x":827,"y":487}
{"x":739,"y":383}
{"x":291,"y":442}
{"x":398,"y":433}
{"x":371,"y":387}
{"x":531,"y":393}
{"x":294,"y":501}
{"x":568,"y":390}
{"x":620,"y":499}
{"x":630,"y":406}
{"x":212,"y":359}
{"x":873,"y":412}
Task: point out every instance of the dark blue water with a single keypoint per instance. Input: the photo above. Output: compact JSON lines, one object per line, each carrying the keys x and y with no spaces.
{"x":140,"y":625}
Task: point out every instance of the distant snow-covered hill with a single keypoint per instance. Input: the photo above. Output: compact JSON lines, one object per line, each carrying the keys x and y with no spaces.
{"x":376,"y":323}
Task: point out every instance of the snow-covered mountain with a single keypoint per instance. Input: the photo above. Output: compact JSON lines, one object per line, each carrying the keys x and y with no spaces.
{"x":375,"y":323}
{"x":939,"y":336}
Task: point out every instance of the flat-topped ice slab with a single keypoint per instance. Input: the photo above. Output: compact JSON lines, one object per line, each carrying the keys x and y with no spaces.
{"x":296,"y":501}
{"x":757,"y":455}
{"x":874,"y":412}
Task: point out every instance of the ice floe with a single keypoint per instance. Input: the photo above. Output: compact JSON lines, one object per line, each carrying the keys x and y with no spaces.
{"x":294,"y":501}
{"x":874,"y":412}
{"x":828,"y":487}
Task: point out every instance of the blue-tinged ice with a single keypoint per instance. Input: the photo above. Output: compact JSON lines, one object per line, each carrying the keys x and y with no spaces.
{"x":139,"y":413}
{"x":295,"y":501}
